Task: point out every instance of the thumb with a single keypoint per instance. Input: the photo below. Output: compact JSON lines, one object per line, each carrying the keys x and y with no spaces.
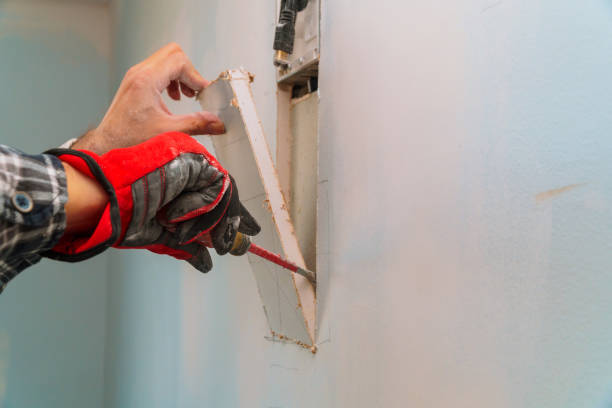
{"x":248,"y":224}
{"x":197,"y":123}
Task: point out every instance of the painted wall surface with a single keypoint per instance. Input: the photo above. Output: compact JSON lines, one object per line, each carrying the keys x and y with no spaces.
{"x":54,"y":76}
{"x":453,"y":272}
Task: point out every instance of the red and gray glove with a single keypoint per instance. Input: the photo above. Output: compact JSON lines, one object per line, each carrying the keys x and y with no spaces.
{"x":164,"y":194}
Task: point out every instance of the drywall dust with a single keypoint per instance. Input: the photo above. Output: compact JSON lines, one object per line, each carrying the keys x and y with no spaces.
{"x":282,"y":338}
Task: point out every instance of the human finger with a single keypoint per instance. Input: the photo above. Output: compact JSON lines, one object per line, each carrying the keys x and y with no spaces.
{"x":173,"y":90}
{"x":187,"y":91}
{"x":171,"y":63}
{"x":183,"y":70}
{"x":201,"y":222}
{"x":201,"y":259}
{"x":194,"y":253}
{"x":167,"y":64}
{"x":196,"y":123}
{"x":248,"y":224}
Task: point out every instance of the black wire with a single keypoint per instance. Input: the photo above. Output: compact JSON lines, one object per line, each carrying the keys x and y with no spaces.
{"x":284,"y":36}
{"x":301,"y":4}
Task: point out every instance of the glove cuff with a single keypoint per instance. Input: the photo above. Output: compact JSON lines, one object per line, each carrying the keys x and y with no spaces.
{"x":107,"y":231}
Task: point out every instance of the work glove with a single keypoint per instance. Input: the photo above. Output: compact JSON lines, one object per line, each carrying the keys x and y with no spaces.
{"x":210,"y":228}
{"x":164,"y":194}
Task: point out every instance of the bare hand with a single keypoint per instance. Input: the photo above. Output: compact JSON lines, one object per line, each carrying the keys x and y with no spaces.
{"x":138,"y":112}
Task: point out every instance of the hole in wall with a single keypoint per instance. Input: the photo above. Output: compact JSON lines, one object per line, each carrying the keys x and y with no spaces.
{"x":297,"y":137}
{"x":303,"y":180}
{"x":297,"y":158}
{"x":302,"y":89}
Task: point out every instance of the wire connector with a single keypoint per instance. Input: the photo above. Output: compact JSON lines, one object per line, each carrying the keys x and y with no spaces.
{"x":284,"y":36}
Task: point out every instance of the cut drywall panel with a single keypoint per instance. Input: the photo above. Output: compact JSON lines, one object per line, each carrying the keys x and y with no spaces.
{"x":288,"y":299}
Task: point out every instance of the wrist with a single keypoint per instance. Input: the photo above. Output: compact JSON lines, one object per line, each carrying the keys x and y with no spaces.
{"x":92,"y":211}
{"x":86,"y":202}
{"x":90,"y":142}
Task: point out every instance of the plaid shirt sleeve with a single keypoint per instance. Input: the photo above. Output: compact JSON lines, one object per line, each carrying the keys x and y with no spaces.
{"x":32,"y":219}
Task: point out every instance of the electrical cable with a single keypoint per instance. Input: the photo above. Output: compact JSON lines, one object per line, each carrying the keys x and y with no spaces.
{"x":284,"y":36}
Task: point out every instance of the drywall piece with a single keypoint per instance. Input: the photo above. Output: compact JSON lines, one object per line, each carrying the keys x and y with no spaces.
{"x":289,"y":300}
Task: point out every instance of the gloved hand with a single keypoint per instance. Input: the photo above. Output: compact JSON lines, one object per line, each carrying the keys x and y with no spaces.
{"x":168,"y":180}
{"x":219,"y":231}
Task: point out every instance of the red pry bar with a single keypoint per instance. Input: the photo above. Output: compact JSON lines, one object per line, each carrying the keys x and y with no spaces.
{"x":270,"y":256}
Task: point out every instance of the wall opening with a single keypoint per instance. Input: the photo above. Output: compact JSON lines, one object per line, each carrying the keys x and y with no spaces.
{"x":297,"y":139}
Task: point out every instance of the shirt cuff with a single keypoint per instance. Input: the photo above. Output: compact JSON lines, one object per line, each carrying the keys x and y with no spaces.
{"x":68,"y":143}
{"x":34,"y":189}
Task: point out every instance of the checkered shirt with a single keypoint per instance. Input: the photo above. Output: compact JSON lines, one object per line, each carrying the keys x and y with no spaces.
{"x":32,"y":219}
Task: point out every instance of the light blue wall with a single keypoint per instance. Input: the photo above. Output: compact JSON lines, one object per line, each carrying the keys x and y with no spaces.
{"x":450,"y":277}
{"x":55,"y":84}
